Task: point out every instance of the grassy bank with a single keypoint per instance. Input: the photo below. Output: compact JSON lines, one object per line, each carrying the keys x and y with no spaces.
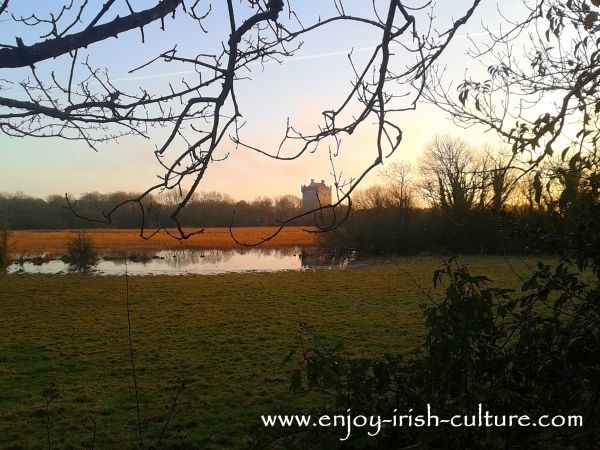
{"x":226,"y":336}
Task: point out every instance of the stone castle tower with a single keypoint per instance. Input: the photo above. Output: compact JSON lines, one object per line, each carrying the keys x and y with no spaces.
{"x":315,"y":195}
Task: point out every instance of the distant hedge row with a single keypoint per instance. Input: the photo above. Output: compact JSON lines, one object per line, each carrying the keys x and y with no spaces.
{"x":21,"y":212}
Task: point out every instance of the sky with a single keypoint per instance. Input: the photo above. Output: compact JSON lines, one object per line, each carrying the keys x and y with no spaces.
{"x":317,"y":77}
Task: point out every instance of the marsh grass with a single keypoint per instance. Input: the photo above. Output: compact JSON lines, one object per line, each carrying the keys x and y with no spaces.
{"x":225,"y":336}
{"x":55,"y":241}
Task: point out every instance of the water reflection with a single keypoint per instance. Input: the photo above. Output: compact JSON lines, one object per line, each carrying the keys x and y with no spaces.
{"x":193,"y":261}
{"x":318,"y":257}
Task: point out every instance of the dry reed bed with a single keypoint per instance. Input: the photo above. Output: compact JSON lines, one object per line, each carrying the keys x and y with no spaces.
{"x":54,"y":242}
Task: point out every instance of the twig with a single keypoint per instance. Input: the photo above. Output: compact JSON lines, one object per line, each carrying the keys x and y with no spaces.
{"x":137,"y":400}
{"x":171,"y":410}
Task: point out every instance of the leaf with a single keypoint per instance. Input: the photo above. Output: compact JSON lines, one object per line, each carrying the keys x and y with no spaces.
{"x":590,"y":19}
{"x":462,"y":97}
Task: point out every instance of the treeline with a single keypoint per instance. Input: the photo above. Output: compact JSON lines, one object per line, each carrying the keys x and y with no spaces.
{"x":459,"y":199}
{"x":212,"y":209}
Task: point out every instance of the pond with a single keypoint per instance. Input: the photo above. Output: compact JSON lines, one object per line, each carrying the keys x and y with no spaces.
{"x":193,"y":261}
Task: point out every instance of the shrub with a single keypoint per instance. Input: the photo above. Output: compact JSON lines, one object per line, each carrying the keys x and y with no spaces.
{"x":532,"y":353}
{"x":81,"y":253}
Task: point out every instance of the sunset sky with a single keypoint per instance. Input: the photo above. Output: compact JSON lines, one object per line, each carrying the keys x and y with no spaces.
{"x":316,"y":78}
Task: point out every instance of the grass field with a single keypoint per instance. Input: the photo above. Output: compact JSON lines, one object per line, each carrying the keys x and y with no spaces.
{"x":55,"y":241}
{"x":226,"y":336}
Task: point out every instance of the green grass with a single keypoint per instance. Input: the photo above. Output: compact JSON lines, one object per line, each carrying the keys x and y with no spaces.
{"x":226,"y":336}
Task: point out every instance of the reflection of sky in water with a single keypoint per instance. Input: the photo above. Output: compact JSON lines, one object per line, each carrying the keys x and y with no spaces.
{"x":192,"y":261}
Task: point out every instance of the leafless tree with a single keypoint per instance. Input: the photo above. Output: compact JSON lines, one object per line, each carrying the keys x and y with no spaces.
{"x":499,"y":178}
{"x":287,"y":206}
{"x":172,"y":198}
{"x":457,"y":177}
{"x":399,"y":178}
{"x":452,"y":177}
{"x":374,"y":197}
{"x":525,"y":194}
{"x":202,"y":113}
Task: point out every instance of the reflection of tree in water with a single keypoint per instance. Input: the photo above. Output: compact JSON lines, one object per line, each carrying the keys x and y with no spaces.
{"x":179,"y":259}
{"x":309,"y":257}
{"x":212,"y":260}
{"x":182,"y":258}
{"x":319,"y":257}
{"x":285,"y":252}
{"x":118,"y":256}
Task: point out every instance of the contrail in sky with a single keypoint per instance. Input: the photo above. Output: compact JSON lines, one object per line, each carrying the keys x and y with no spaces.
{"x":291,"y":59}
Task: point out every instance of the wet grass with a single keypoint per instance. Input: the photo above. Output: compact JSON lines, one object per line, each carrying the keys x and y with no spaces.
{"x":225,"y":336}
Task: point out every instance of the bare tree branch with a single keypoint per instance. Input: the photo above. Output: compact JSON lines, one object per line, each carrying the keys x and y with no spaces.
{"x":201,"y":113}
{"x":23,"y":56}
